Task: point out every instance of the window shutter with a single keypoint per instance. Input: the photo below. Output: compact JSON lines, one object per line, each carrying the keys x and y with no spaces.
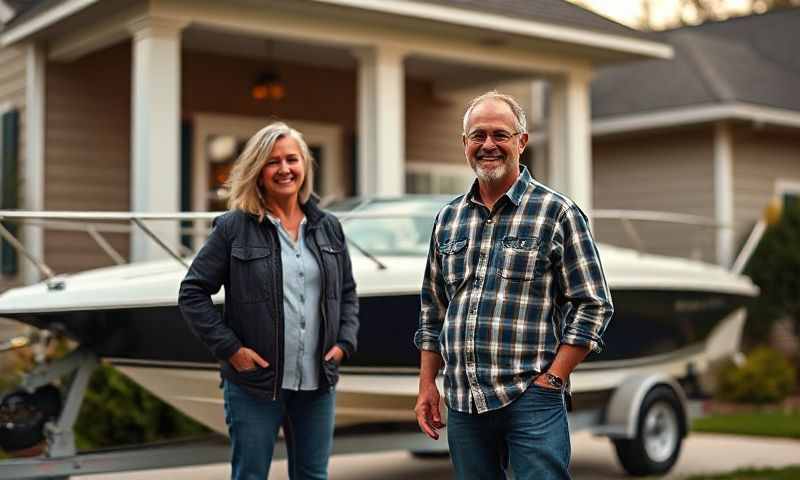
{"x":9,"y":186}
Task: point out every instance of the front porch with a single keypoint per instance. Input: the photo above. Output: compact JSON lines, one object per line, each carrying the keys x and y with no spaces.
{"x":145,"y":110}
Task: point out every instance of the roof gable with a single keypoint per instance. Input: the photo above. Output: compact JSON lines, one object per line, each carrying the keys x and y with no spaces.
{"x":748,"y":60}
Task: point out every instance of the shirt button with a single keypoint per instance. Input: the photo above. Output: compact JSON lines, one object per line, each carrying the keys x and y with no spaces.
{"x":297,"y":255}
{"x":302,"y":298}
{"x":301,"y":274}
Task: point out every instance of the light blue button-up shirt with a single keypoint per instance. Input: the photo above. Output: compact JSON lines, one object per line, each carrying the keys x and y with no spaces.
{"x":301,"y":308}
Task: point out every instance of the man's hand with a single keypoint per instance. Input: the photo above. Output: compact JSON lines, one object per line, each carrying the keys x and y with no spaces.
{"x":429,"y":414}
{"x":246,"y":359}
{"x":335,"y":355}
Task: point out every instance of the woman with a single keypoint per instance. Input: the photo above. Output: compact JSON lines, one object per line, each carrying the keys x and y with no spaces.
{"x":291,"y":312}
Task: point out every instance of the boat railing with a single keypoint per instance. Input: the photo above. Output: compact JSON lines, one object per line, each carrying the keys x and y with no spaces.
{"x":195,"y":225}
{"x":628,"y":218}
{"x":96,"y":223}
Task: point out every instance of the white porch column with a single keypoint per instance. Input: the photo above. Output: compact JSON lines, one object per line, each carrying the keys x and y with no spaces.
{"x":570,"y":156}
{"x":723,"y":192}
{"x":33,"y":172}
{"x":155,"y":136}
{"x":381,"y":121}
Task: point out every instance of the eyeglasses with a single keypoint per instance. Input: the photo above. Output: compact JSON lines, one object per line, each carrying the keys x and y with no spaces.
{"x":479,"y":137}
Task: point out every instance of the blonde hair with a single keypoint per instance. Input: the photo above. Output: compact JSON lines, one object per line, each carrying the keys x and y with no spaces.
{"x":244,"y":191}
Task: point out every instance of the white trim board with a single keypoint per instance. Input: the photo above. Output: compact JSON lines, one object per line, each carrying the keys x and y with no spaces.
{"x":43,"y":20}
{"x":693,"y":115}
{"x":505,"y":24}
{"x":6,"y":12}
{"x":784,"y":185}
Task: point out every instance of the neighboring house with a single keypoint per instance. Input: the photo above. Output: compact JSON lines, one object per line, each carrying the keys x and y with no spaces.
{"x":714,"y":131}
{"x":141,"y":105}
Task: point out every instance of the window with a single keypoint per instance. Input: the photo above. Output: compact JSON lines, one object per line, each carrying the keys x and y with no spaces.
{"x":438,"y":178}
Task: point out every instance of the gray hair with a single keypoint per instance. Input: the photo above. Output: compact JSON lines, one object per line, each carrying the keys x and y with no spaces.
{"x":244,"y":191}
{"x":520,"y":119}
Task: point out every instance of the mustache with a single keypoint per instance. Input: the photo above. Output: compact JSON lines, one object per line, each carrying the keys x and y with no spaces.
{"x":481,"y":155}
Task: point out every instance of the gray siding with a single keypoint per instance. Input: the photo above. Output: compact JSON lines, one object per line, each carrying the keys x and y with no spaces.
{"x":668,"y":171}
{"x":12,"y":95}
{"x":761,"y":157}
{"x":87,"y":159}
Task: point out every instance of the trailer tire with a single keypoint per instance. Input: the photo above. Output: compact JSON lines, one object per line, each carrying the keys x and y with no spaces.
{"x":659,"y":435}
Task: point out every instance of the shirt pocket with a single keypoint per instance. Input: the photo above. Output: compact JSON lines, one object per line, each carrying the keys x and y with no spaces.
{"x":454,"y":263}
{"x":249,"y":274}
{"x":517,"y":259}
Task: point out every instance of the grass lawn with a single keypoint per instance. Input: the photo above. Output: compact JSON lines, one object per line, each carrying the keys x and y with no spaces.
{"x":788,"y":473}
{"x":764,"y":424}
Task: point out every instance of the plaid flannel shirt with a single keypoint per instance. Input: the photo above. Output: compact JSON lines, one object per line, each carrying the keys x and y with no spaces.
{"x":503,"y":289}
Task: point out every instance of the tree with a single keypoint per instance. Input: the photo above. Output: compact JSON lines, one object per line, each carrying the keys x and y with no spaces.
{"x":660,"y":15}
{"x":775,"y":268}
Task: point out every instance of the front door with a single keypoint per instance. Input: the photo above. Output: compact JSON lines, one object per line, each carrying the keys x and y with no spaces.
{"x":219,"y":139}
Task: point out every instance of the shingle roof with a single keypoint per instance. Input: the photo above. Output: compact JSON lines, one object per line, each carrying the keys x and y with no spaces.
{"x":749,"y":59}
{"x":549,"y":11}
{"x":26,"y":8}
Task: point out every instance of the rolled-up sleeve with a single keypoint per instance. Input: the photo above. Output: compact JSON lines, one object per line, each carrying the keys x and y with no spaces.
{"x":433,"y":301}
{"x":584,"y":291}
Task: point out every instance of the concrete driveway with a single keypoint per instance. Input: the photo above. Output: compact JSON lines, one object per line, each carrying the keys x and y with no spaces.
{"x":593,"y":458}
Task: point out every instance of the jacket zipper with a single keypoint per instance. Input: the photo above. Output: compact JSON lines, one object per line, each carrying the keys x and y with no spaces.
{"x":324,"y":295}
{"x":278,"y":316}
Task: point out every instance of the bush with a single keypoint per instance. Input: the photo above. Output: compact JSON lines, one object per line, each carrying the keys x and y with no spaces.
{"x":766,"y":376}
{"x":775,"y":268}
{"x":116,"y":411}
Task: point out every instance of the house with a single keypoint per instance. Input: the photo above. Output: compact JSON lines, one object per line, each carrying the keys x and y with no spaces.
{"x":713,"y":131}
{"x":141,"y":105}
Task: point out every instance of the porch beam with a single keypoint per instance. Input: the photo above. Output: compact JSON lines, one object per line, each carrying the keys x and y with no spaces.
{"x":76,"y":44}
{"x":155,"y":155}
{"x":381,"y":121}
{"x":349,"y":34}
{"x":570,"y":155}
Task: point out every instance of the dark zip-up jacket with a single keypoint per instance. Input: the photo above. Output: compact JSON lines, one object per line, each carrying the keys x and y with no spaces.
{"x":243,"y":255}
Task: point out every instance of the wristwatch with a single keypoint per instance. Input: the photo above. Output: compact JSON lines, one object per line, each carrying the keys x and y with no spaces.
{"x":554,"y":380}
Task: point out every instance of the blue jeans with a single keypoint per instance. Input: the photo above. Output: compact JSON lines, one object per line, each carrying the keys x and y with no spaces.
{"x":529,"y":437}
{"x":307,"y":418}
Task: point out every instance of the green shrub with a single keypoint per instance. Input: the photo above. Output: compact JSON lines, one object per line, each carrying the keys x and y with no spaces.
{"x":775,"y":268}
{"x":766,"y":376}
{"x":116,"y":411}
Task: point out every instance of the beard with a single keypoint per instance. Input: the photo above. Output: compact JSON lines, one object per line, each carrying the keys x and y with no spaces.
{"x":489,"y":174}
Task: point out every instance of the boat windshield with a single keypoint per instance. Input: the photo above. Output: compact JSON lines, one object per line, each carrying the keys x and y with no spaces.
{"x":404,"y":231}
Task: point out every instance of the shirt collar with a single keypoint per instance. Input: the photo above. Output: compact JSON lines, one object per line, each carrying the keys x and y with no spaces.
{"x":514,"y":193}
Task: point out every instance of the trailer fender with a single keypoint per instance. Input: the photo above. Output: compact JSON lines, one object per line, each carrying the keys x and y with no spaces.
{"x":622,"y":411}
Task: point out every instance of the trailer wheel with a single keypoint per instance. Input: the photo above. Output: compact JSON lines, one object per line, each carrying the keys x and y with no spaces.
{"x":659,"y":435}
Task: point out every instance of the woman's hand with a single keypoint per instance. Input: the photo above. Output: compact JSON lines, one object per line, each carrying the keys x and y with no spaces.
{"x":246,"y":359}
{"x":335,"y":355}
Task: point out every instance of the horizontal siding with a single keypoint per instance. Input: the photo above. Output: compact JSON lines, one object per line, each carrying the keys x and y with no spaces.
{"x":669,"y":171}
{"x":87,"y":157}
{"x":761,"y":157}
{"x":434,"y":119}
{"x":12,"y":93}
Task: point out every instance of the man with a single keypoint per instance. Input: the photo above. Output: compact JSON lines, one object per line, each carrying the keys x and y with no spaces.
{"x":513,"y":299}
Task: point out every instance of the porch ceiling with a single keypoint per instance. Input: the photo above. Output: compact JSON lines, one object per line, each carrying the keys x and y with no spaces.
{"x":443,"y":74}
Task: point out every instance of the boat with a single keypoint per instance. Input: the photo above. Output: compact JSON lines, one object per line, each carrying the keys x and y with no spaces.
{"x":673,"y":316}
